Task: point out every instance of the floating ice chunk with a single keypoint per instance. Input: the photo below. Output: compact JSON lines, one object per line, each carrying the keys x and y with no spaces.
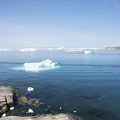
{"x":28,"y":50}
{"x":87,"y":52}
{"x":60,"y":108}
{"x":4,"y":115}
{"x":11,"y":108}
{"x":44,"y":65}
{"x":74,"y":111}
{"x":30,"y":111}
{"x":30,"y":89}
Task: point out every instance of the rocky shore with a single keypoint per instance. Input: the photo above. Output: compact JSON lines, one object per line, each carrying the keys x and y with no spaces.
{"x":45,"y":117}
{"x":8,"y":96}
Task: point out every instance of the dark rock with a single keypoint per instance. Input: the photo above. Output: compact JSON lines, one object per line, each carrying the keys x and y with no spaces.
{"x":22,"y":100}
{"x":33,"y":102}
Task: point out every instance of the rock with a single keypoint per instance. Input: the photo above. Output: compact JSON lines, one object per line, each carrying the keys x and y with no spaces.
{"x":7,"y":95}
{"x":43,"y":117}
{"x":23,"y":100}
{"x":4,"y":109}
{"x":33,"y":102}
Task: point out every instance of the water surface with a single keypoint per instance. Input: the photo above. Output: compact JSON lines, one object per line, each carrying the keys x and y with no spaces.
{"x":84,"y":85}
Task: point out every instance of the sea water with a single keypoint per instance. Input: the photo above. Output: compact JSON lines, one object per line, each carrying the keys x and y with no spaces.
{"x":87,"y":85}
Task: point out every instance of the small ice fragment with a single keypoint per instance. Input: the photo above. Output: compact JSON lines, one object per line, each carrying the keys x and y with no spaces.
{"x":11,"y":108}
{"x":30,"y":89}
{"x":30,"y":111}
{"x":74,"y":111}
{"x":4,"y":115}
{"x":60,"y":108}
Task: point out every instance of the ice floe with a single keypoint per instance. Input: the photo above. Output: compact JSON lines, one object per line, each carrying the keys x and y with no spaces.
{"x":28,"y":50}
{"x":39,"y":66}
{"x":87,"y":52}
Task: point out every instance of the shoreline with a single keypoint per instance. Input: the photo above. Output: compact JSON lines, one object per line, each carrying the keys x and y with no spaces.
{"x":8,"y":97}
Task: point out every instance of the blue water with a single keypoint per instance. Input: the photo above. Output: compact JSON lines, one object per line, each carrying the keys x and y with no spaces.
{"x":88,"y":84}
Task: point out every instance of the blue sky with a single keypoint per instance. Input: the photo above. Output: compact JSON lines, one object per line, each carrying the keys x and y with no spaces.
{"x":59,"y":23}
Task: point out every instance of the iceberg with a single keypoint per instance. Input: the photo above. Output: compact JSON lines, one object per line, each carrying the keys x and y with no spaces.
{"x":28,"y":50}
{"x":87,"y":52}
{"x":40,"y":66}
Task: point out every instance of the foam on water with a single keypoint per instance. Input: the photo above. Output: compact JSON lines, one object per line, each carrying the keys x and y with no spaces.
{"x":39,"y":66}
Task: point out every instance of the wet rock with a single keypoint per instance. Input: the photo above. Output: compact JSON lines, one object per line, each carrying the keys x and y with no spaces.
{"x":33,"y":102}
{"x":22,"y":100}
{"x":7,"y":95}
{"x":45,"y":117}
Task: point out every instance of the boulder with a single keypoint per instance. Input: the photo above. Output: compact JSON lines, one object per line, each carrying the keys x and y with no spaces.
{"x":33,"y":102}
{"x":7,"y":94}
{"x":22,"y":100}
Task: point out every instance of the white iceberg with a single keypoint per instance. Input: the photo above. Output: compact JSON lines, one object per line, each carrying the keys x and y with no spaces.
{"x":39,"y":66}
{"x":87,"y":52}
{"x":28,"y":50}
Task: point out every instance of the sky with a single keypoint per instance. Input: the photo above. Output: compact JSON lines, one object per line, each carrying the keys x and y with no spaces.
{"x":59,"y":23}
